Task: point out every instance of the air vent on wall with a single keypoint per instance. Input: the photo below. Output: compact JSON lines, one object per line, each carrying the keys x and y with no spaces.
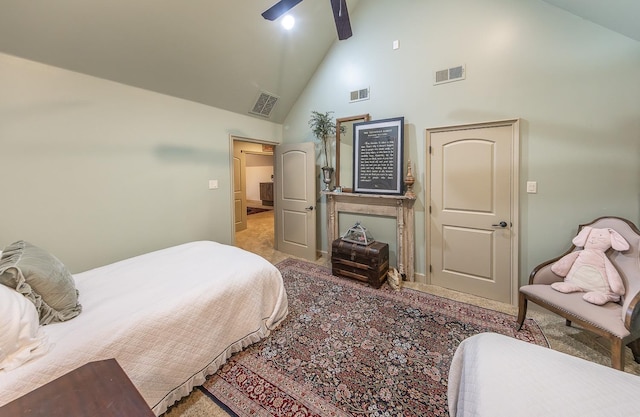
{"x":359,"y":95}
{"x":264,"y":104}
{"x":449,"y":75}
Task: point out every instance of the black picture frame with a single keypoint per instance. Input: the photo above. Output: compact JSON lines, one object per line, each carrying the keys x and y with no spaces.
{"x":378,"y":154}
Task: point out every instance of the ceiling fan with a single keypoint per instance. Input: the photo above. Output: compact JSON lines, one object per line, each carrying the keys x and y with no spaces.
{"x":340,"y":14}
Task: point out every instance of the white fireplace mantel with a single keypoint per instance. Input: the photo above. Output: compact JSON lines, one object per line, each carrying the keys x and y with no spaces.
{"x":398,"y":206}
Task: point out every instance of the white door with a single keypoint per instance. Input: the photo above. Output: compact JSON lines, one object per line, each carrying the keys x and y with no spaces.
{"x":239,"y":189}
{"x":295,"y":199}
{"x":239,"y":192}
{"x":472,"y":210}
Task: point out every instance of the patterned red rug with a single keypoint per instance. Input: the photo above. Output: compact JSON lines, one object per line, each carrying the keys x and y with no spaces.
{"x":347,"y":349}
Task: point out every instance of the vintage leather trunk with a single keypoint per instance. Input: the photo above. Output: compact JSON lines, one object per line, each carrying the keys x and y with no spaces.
{"x":368,"y":263}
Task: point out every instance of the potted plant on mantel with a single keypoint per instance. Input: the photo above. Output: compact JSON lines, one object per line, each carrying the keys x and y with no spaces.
{"x":323,"y":127}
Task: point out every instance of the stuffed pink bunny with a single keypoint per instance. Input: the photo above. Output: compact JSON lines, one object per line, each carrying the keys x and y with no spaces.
{"x":589,"y":270}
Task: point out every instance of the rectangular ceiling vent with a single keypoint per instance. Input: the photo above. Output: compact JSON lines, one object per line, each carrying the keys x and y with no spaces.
{"x":359,"y":95}
{"x":449,"y":75}
{"x":264,"y":104}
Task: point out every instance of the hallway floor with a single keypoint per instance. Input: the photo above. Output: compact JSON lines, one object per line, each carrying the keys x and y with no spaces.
{"x":258,"y":238}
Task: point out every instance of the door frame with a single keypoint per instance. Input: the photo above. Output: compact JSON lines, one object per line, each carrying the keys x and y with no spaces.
{"x":514,"y":192}
{"x":233,"y":138}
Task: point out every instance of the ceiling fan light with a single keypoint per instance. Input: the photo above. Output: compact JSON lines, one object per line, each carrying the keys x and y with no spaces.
{"x":288,"y":22}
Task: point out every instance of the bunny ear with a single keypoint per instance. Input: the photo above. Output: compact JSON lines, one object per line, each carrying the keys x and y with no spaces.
{"x":617,"y":241}
{"x":581,"y":238}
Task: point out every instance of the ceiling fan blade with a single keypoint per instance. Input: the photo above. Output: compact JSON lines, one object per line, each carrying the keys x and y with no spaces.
{"x":279,"y":9}
{"x":341,"y":16}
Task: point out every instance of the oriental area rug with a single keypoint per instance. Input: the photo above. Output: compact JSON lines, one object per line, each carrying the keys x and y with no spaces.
{"x":347,"y":349}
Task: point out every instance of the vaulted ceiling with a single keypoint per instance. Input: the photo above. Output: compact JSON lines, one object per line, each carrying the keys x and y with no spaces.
{"x":217,"y":52}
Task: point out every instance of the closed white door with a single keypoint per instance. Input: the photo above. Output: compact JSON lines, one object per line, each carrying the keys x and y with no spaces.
{"x":295,"y":199}
{"x":471,"y":220}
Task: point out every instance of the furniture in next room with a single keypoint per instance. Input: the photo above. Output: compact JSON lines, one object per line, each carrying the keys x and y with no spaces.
{"x":170,"y":318}
{"x":99,"y":388}
{"x":617,"y":322}
{"x":266,"y":193}
{"x":493,"y":375}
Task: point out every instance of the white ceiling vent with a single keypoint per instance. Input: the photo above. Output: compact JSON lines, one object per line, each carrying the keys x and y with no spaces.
{"x":449,"y":75}
{"x":264,"y":104}
{"x":359,"y":95}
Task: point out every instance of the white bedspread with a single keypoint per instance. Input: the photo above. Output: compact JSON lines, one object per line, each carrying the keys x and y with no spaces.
{"x":169,"y":318}
{"x":493,"y":376}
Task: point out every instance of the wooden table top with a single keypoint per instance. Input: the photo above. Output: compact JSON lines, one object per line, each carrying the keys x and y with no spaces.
{"x":96,"y":389}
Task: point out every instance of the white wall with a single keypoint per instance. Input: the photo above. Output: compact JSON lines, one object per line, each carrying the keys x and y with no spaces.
{"x":96,"y":171}
{"x":575,"y":86}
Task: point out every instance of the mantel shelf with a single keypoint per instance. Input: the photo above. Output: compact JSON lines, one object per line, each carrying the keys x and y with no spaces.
{"x":363,"y":195}
{"x":398,"y":206}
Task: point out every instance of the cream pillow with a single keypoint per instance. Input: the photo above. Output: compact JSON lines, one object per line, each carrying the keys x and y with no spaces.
{"x":42,"y":278}
{"x":21,"y":337}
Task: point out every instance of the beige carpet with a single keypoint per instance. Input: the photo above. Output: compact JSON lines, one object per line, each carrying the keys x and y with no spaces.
{"x":258,"y":238}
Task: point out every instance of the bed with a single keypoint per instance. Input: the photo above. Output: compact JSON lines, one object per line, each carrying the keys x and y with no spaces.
{"x":492,"y":375}
{"x":169,"y":318}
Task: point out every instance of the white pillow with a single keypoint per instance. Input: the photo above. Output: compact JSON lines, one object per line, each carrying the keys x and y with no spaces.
{"x":21,"y":338}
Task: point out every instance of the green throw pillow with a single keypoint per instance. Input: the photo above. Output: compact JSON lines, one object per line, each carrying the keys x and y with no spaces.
{"x":42,"y":278}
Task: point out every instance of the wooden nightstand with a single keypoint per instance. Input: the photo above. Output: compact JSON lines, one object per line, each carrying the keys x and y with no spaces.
{"x":96,"y":389}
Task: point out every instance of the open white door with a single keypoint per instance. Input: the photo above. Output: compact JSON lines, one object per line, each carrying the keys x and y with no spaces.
{"x":295,"y":199}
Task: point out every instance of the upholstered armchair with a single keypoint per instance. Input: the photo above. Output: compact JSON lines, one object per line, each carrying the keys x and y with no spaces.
{"x":617,"y":322}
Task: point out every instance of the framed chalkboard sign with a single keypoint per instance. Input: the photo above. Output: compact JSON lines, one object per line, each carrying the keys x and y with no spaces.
{"x":377,"y":156}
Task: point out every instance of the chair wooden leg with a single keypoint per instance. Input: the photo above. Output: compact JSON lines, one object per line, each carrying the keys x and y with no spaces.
{"x":635,"y":348}
{"x":522,"y":310}
{"x":617,"y":354}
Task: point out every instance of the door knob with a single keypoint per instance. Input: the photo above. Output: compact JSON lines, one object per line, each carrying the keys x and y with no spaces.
{"x":310,"y":208}
{"x":501,"y":224}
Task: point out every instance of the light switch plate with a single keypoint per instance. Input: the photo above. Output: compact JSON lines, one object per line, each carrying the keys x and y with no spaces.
{"x":213,"y":184}
{"x":532,"y":187}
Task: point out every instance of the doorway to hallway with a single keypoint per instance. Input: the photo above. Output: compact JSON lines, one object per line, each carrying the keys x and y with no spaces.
{"x":253,"y":195}
{"x":293,"y":194}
